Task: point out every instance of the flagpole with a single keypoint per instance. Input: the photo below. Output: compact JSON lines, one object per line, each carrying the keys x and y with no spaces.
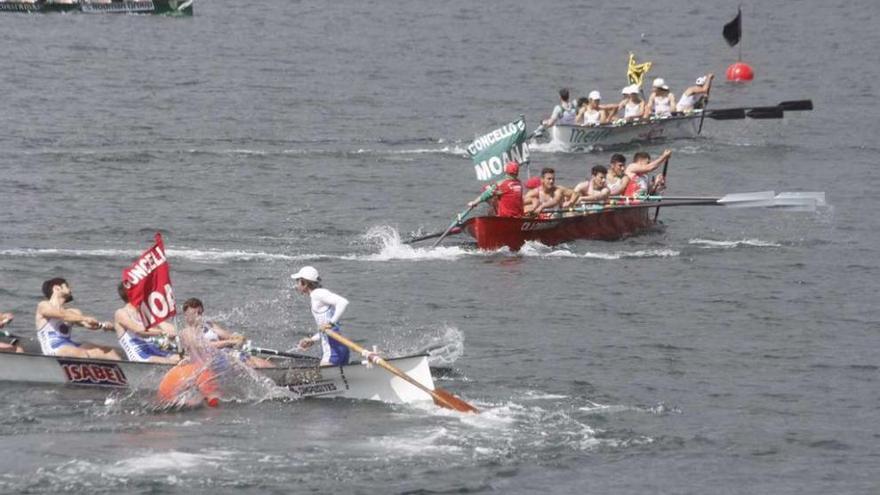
{"x":739,"y":45}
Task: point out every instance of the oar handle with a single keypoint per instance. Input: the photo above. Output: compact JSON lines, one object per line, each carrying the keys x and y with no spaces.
{"x":375,"y":359}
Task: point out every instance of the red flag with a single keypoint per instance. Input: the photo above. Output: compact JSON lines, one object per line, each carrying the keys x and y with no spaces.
{"x":148,"y":285}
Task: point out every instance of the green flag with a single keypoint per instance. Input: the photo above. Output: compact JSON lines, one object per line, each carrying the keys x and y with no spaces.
{"x":491,"y":151}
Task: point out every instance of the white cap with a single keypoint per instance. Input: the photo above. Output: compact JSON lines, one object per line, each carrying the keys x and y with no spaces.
{"x":594,"y":95}
{"x":660,"y":83}
{"x":307,"y":273}
{"x":632,"y":89}
{"x":701,"y":80}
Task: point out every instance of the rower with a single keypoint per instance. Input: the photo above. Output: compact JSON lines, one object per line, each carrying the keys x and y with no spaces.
{"x":640,"y":185}
{"x":8,"y":343}
{"x":508,"y":193}
{"x":661,"y":103}
{"x":547,"y":196}
{"x":617,"y":178}
{"x":594,"y":190}
{"x":563,"y":113}
{"x":215,"y":335}
{"x":131,"y":331}
{"x":631,"y":105}
{"x":54,"y":321}
{"x":695,"y":96}
{"x":593,"y":112}
{"x":327,"y":308}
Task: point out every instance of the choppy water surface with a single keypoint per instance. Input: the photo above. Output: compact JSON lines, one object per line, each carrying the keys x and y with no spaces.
{"x":729,"y":351}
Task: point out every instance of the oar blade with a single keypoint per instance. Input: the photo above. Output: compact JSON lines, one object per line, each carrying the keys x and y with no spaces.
{"x":727,"y":114}
{"x":748,"y":200}
{"x":817,"y":196}
{"x":804,"y":201}
{"x":796,"y":105}
{"x":446,"y":399}
{"x":766,"y":113}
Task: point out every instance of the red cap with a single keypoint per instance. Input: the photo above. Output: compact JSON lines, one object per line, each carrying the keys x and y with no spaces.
{"x":533,"y":182}
{"x":512,"y":168}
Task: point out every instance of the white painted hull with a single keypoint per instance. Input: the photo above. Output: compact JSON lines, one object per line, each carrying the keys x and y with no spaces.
{"x":576,"y":137}
{"x":353,"y":381}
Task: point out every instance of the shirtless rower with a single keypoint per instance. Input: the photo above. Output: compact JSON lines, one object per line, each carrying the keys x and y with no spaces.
{"x":327,"y":308}
{"x":617,"y":178}
{"x":661,"y":103}
{"x":694,"y":96}
{"x":640,"y":184}
{"x":215,"y":335}
{"x":594,"y":190}
{"x":130,"y":330}
{"x":11,"y":344}
{"x":547,"y":196}
{"x":54,"y":321}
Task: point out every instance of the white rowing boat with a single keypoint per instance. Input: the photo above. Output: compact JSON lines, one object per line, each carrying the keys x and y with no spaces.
{"x":579,"y":137}
{"x":301,"y":377}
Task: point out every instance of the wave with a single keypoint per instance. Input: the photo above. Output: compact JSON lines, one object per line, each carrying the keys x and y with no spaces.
{"x":712,"y":244}
{"x":209,"y":255}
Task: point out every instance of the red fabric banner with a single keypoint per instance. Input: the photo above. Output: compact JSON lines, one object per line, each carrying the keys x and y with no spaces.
{"x":148,"y":285}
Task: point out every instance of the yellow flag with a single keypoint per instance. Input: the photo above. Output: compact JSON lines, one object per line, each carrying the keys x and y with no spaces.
{"x":635,"y":73}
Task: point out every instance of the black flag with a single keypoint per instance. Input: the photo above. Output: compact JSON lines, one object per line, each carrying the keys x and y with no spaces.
{"x":733,"y":29}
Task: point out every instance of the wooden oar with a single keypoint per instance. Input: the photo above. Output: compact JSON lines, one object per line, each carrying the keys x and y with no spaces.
{"x":702,"y":116}
{"x":454,"y":224}
{"x":665,"y":167}
{"x":430,"y":236}
{"x":765,"y":113}
{"x":441,"y":397}
{"x":796,"y":105}
{"x":802,"y":201}
{"x":273,"y":352}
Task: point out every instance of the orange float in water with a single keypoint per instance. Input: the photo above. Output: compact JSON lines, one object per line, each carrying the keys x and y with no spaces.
{"x":740,"y":72}
{"x":179,"y":379}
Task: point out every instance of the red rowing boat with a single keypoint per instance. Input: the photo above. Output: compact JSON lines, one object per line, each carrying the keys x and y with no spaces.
{"x":496,"y":232}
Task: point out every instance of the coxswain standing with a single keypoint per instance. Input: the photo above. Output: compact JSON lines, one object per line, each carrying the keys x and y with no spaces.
{"x":508,"y":193}
{"x":327,"y":308}
{"x":563,"y":113}
{"x":54,"y":323}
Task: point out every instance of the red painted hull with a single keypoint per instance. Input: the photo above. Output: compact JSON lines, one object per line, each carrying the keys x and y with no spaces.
{"x":496,"y":232}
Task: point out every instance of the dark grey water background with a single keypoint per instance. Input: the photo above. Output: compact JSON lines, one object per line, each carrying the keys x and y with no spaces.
{"x":730,"y":352}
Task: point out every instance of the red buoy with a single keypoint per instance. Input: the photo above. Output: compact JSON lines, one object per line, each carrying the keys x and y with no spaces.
{"x":740,"y":72}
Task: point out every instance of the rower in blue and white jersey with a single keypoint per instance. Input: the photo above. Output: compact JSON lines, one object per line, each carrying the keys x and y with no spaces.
{"x":131,"y":332}
{"x":327,"y":308}
{"x":54,"y":323}
{"x":215,"y":336}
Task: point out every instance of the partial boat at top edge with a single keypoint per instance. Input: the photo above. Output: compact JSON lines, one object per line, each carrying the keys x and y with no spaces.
{"x":167,"y":7}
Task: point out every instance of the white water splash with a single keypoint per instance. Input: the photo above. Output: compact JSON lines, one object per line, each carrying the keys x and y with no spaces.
{"x":710,"y":244}
{"x":536,"y":249}
{"x":208,"y":255}
{"x":391,"y":248}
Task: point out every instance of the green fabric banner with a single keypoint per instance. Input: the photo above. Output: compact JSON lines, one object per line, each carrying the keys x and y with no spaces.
{"x":491,"y":151}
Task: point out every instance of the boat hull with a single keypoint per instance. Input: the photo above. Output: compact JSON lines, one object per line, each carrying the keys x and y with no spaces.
{"x":496,"y":232}
{"x":169,"y":7}
{"x":353,"y":381}
{"x":576,"y":137}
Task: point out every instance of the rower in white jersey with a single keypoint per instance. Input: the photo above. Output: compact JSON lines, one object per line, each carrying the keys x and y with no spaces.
{"x":327,"y":308}
{"x":661,"y":103}
{"x":54,"y":324}
{"x":694,"y":97}
{"x":632,"y":105}
{"x":132,"y":334}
